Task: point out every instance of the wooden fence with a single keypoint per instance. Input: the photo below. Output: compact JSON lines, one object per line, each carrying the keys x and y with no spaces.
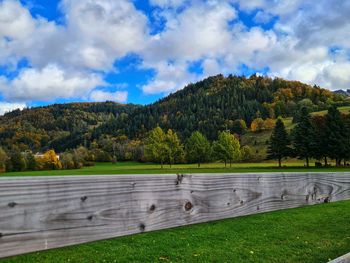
{"x":38,"y":213}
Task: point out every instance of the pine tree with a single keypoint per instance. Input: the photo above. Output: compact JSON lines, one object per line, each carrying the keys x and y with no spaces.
{"x":227,"y":148}
{"x":336,"y":135}
{"x":303,"y":136}
{"x":198,"y":148}
{"x":279,"y":143}
{"x":320,"y":140}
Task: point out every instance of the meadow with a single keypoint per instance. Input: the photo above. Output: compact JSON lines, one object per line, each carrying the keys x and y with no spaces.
{"x":150,"y":168}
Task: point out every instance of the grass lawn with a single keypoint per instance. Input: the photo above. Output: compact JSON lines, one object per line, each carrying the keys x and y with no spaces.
{"x":147,"y":168}
{"x":310,"y":234}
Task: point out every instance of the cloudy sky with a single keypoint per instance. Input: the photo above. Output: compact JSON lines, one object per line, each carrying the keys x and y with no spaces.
{"x":140,"y":50}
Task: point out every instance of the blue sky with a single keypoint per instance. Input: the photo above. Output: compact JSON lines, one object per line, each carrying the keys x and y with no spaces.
{"x":137,"y":51}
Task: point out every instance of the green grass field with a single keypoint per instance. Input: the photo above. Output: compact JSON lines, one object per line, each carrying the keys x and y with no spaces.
{"x":147,"y":168}
{"x":310,"y":234}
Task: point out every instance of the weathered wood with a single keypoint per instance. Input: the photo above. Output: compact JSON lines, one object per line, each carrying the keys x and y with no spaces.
{"x":38,"y":213}
{"x":343,"y":259}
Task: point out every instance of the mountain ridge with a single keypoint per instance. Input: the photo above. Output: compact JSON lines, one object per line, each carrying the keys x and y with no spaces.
{"x":210,"y":105}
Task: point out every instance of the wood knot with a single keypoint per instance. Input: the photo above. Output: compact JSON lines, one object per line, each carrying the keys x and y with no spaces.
{"x":234,"y":190}
{"x":83,"y":198}
{"x":241,"y":202}
{"x":152,"y":208}
{"x":327,"y":199}
{"x":179,"y":179}
{"x":258,"y":208}
{"x":228,"y":203}
{"x":1,"y":235}
{"x":90,"y":217}
{"x":133,"y":185}
{"x":142,"y":227}
{"x":188,"y":206}
{"x":12,"y":204}
{"x":282,"y":197}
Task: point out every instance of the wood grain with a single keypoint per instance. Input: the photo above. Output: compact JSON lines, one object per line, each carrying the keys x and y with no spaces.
{"x":343,"y":259}
{"x":38,"y":213}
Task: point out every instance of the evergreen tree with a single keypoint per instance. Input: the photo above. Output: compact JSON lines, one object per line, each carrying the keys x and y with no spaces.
{"x":174,"y":149}
{"x":156,"y":148}
{"x":336,"y":135}
{"x":320,"y":140}
{"x":347,"y":124}
{"x":303,"y":136}
{"x":279,"y":143}
{"x":198,"y":148}
{"x":239,"y":127}
{"x":227,"y":148}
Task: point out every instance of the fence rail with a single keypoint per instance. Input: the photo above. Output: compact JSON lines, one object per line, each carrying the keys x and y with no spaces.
{"x":38,"y":213}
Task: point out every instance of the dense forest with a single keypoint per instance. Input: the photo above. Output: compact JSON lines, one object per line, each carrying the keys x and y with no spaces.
{"x":116,"y":131}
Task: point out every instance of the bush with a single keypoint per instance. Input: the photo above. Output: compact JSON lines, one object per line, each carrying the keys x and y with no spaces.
{"x":318,"y":164}
{"x":247,"y":153}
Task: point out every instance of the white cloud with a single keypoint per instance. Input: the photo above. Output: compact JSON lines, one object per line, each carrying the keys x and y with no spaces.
{"x":188,"y":36}
{"x":167,"y":3}
{"x":170,"y":77}
{"x":101,"y":31}
{"x":47,"y":84}
{"x":64,"y":58}
{"x":262,"y":17}
{"x":101,"y":96}
{"x":7,"y":107}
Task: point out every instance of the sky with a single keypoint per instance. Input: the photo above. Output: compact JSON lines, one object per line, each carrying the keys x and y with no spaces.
{"x":137,"y":51}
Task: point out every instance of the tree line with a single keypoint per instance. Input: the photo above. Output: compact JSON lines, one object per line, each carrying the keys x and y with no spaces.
{"x":318,"y":137}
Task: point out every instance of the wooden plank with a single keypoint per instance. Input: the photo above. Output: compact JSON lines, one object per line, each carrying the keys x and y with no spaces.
{"x":343,"y":259}
{"x":38,"y":213}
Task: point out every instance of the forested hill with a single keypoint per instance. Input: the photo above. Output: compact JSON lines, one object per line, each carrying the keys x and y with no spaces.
{"x":209,"y":106}
{"x":215,"y":103}
{"x":58,"y":126}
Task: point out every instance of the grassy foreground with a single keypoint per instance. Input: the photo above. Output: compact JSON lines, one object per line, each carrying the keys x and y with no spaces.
{"x":310,"y":234}
{"x":147,"y":168}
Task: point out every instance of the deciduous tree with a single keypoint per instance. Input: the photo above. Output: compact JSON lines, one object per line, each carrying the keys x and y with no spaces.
{"x":227,"y":148}
{"x":198,"y":148}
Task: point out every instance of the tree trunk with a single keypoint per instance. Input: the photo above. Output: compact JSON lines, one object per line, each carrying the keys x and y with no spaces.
{"x":307,"y":162}
{"x":230,"y":163}
{"x":325,"y":161}
{"x":337,"y":162}
{"x":279,"y":162}
{"x":199,"y":164}
{"x":161,"y":164}
{"x":225,"y":163}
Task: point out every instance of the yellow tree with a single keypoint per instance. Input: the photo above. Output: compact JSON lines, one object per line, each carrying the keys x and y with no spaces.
{"x":257,"y":125}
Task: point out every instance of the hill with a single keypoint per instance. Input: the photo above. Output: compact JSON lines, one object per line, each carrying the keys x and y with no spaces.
{"x":215,"y":103}
{"x":211,"y":105}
